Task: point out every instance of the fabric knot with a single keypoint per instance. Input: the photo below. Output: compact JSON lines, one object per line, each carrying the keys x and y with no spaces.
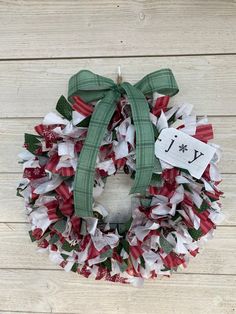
{"x":119,"y":88}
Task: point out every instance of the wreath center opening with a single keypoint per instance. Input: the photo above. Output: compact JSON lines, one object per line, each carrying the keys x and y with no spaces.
{"x":116,"y":198}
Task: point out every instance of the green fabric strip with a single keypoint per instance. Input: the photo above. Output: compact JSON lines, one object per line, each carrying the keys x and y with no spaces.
{"x":144,"y":138}
{"x":84,"y":178}
{"x":90,"y":87}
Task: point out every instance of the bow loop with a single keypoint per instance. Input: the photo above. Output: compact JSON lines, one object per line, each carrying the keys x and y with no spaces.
{"x":89,"y":86}
{"x":92,"y":87}
{"x":162,"y":81}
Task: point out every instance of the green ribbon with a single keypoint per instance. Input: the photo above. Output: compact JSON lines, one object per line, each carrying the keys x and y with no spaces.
{"x":91,"y":87}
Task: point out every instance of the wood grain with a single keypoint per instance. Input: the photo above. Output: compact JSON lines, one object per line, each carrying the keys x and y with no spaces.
{"x":12,"y":140}
{"x":56,"y":292}
{"x":32,"y":88}
{"x":52,"y":29}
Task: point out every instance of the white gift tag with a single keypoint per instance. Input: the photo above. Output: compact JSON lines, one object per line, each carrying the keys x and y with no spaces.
{"x":183,"y":151}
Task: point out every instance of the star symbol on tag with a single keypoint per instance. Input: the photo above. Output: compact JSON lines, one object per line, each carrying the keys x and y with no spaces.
{"x":183,"y":148}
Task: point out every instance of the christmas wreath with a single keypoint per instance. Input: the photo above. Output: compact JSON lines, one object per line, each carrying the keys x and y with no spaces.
{"x":102,"y":129}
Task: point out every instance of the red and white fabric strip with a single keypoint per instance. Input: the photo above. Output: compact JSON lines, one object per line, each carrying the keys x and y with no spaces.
{"x":205,"y":223}
{"x":204,"y":132}
{"x":52,"y":207}
{"x":66,"y":171}
{"x":215,"y":196}
{"x":136,"y":251}
{"x":76,"y":224}
{"x":52,"y":163}
{"x":81,"y":107}
{"x":172,"y":260}
{"x":34,"y":173}
{"x":66,"y":207}
{"x":187,"y":201}
{"x":170,"y":174}
{"x":40,"y":129}
{"x":63,"y":191}
{"x":160,"y":105}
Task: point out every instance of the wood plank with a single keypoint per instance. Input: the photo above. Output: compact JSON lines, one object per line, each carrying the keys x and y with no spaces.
{"x":32,"y":88}
{"x":217,"y":257}
{"x":31,"y":29}
{"x":12,"y":207}
{"x":19,"y":251}
{"x":12,"y":139}
{"x":46,"y":291}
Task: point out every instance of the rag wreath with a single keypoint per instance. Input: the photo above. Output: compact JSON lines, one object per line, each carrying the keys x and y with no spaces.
{"x":102,"y":129}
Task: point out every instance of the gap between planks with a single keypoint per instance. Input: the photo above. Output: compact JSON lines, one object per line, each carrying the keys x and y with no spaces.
{"x":121,"y":57}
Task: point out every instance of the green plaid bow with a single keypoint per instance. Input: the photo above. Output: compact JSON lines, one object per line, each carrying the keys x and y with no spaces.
{"x":90,"y":87}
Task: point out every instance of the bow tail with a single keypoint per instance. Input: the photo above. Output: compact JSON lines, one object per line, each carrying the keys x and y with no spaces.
{"x":90,"y":87}
{"x":144,"y":138}
{"x":84,"y":177}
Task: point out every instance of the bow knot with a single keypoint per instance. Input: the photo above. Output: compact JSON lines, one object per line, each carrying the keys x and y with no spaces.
{"x":118,"y":88}
{"x":91,"y":87}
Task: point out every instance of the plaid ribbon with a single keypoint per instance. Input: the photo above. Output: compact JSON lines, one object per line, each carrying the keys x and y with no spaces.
{"x":91,"y":87}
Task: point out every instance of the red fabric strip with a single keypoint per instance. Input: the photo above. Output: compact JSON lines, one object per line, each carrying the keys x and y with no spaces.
{"x":63,"y":191}
{"x":161,"y":104}
{"x":204,"y":132}
{"x":136,"y":251}
{"x":52,"y":163}
{"x":67,"y":208}
{"x":172,"y":260}
{"x":81,"y":107}
{"x":66,"y":171}
{"x":52,"y":207}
